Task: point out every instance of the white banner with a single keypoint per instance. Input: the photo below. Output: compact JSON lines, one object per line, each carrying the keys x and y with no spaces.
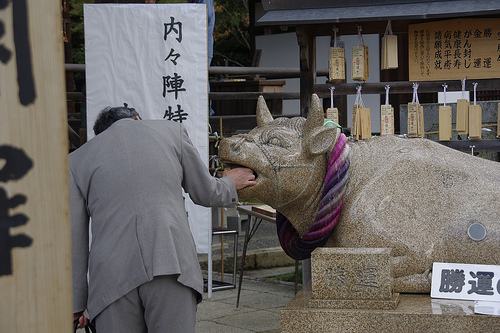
{"x":154,"y":59}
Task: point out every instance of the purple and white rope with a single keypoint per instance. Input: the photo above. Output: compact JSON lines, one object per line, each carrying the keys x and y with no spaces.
{"x":300,"y":248}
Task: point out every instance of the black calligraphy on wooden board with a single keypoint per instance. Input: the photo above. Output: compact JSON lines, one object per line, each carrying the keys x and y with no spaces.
{"x":454,"y":49}
{"x":16,"y":165}
{"x":25,"y":78}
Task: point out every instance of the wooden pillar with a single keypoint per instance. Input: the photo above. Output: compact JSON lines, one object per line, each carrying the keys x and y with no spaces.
{"x":35,"y":240}
{"x":307,"y":46}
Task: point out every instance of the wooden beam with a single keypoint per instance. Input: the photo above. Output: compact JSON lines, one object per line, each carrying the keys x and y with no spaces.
{"x":280,"y":72}
{"x":404,"y":87}
{"x":307,"y":54}
{"x":477,"y":145}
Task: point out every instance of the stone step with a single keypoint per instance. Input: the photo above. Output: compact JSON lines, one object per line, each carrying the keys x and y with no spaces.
{"x":255,"y":259}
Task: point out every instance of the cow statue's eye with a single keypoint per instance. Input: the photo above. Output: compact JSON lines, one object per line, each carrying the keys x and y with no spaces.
{"x":275,"y":141}
{"x":274,"y":138}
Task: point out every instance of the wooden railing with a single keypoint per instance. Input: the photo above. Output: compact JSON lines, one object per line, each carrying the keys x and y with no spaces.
{"x":397,"y":87}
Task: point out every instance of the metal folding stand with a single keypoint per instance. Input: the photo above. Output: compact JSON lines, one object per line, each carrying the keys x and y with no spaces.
{"x":212,"y":285}
{"x":256,"y":218}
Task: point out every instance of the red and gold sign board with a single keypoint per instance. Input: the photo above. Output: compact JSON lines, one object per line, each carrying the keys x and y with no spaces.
{"x":35,"y":238}
{"x":454,"y":49}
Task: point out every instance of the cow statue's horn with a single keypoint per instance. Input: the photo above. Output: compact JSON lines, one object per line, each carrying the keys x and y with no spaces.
{"x":315,"y":117}
{"x":263,"y":113}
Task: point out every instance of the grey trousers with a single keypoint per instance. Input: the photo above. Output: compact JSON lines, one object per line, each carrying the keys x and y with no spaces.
{"x":161,"y":305}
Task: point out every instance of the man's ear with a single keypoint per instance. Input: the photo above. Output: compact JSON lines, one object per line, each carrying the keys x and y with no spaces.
{"x":137,"y":118}
{"x":322,"y":139}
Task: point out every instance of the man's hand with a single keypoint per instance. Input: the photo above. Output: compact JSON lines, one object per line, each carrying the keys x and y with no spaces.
{"x":242,"y":177}
{"x":82,"y":320}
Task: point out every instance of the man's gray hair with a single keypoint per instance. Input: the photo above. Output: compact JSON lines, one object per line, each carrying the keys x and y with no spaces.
{"x":109,"y":115}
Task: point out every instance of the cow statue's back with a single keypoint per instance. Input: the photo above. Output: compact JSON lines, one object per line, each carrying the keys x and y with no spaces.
{"x":415,"y":196}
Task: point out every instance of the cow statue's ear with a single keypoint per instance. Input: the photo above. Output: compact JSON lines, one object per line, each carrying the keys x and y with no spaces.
{"x":318,"y":139}
{"x":263,"y":113}
{"x":323,"y":139}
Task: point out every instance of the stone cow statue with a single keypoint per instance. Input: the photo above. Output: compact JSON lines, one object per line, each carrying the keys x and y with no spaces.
{"x":427,"y":202}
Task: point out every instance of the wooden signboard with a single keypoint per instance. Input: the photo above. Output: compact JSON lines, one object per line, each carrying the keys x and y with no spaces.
{"x":454,"y":49}
{"x":35,"y":239}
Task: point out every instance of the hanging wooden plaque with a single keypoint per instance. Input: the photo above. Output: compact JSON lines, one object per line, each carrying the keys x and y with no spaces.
{"x":420,"y":131}
{"x":360,"y":64}
{"x":475,"y":121}
{"x":355,"y":121}
{"x":367,"y":62}
{"x":386,"y":120}
{"x":413,"y":116}
{"x":333,"y":114}
{"x":462,"y":116}
{"x":444,"y":123}
{"x":365,"y":124}
{"x":389,"y":49}
{"x":336,"y":64}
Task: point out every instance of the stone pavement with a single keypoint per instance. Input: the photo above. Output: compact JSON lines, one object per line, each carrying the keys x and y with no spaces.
{"x":261,"y":301}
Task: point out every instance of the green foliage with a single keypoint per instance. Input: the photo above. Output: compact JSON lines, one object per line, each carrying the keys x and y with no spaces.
{"x":231,"y":35}
{"x":77,"y":32}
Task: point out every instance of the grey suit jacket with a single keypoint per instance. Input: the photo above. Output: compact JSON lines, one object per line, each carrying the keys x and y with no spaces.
{"x":128,"y":179}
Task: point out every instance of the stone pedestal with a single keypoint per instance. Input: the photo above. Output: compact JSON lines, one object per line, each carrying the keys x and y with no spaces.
{"x":351,"y":291}
{"x":352,"y":278}
{"x":414,"y":313}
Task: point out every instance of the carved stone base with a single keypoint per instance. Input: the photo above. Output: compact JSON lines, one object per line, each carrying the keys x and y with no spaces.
{"x":356,"y":304}
{"x":414,"y":313}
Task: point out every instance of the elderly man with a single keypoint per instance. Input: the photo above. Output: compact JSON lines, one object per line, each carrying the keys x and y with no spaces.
{"x":143,"y":270}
